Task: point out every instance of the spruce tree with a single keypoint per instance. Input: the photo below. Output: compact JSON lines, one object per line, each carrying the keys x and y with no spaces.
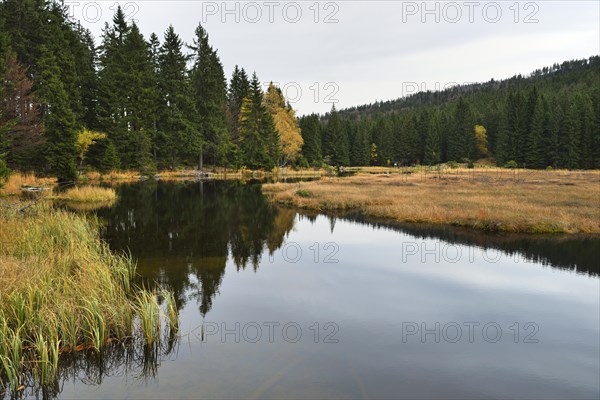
{"x":252,"y":145}
{"x":595,"y":140}
{"x":407,"y":141}
{"x":176,"y":127}
{"x":538,"y":129}
{"x":59,"y":120}
{"x":433,"y":141}
{"x":586,"y":129}
{"x":272,"y":139}
{"x":360,"y":142}
{"x":238,"y":90}
{"x":550,"y":141}
{"x":336,"y":145}
{"x":140,"y":89}
{"x":110,"y":159}
{"x":310,"y":129}
{"x":87,"y":59}
{"x":569,"y":136}
{"x":383,"y":137}
{"x":461,"y":137}
{"x":528,"y":113}
{"x":112,"y":91}
{"x":259,"y":140}
{"x":209,"y":86}
{"x":510,"y":131}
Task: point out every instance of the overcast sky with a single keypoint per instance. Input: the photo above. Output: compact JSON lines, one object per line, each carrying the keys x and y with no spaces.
{"x":358,"y":52}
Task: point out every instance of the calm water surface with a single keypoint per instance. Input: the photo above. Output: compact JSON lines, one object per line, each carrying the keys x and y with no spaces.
{"x":279,"y":303}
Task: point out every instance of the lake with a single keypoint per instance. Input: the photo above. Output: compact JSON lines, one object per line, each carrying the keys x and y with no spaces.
{"x":283,"y":303}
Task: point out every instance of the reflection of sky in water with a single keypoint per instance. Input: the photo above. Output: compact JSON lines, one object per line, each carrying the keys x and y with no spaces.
{"x":369,"y":294}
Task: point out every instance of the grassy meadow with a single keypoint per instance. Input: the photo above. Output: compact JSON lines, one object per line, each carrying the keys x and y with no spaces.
{"x":489,"y":199}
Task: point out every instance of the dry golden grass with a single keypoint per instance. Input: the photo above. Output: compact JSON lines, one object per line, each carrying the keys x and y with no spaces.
{"x":18,"y":180}
{"x":89,"y":194}
{"x":111,"y":176}
{"x":488,"y":199}
{"x":212,"y":173}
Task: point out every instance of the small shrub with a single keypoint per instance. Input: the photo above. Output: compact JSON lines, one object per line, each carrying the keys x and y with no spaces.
{"x":317,"y":164}
{"x":549,"y":168}
{"x":511,"y":164}
{"x":304,"y":193}
{"x":452,"y":164}
{"x":303,"y":163}
{"x":470,"y":164}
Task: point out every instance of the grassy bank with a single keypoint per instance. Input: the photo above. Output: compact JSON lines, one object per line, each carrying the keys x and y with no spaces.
{"x":63,"y":291}
{"x":209,"y":173}
{"x":487,"y":199}
{"x":17,"y":181}
{"x":89,"y":194}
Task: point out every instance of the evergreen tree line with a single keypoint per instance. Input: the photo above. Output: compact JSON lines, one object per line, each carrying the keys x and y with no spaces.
{"x":128,"y":103}
{"x":549,"y":119}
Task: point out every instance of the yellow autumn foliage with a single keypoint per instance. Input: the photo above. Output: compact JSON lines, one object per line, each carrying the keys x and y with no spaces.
{"x":286,"y":123}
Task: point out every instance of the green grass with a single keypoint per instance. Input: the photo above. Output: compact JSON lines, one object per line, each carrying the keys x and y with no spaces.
{"x":63,"y":291}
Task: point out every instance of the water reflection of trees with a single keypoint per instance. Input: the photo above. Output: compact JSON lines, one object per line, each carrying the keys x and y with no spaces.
{"x":579,"y":253}
{"x":183,"y":233}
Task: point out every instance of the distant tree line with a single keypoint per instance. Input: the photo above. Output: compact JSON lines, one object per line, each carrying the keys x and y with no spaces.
{"x":550,"y":118}
{"x":134,"y":103}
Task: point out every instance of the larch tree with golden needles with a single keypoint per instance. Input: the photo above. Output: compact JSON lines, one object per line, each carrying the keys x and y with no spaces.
{"x":286,"y":124}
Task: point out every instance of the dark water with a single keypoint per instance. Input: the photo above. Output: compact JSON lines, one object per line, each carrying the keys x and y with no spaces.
{"x":278,"y":303}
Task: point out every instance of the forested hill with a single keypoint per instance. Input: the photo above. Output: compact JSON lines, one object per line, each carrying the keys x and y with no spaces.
{"x":550,"y":118}
{"x":583,"y":72}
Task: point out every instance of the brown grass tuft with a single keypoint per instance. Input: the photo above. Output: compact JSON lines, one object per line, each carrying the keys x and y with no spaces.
{"x":89,"y":194}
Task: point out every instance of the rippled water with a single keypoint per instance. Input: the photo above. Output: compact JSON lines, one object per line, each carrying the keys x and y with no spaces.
{"x":281,"y":303}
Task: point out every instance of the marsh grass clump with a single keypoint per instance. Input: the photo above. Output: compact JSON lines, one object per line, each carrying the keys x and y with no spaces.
{"x":89,"y":194}
{"x":63,"y":291}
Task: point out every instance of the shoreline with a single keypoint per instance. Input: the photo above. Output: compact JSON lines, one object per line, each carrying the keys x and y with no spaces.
{"x":78,"y":295}
{"x":545,"y":202}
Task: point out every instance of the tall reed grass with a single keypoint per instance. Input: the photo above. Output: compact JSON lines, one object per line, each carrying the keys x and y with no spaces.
{"x":63,"y":291}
